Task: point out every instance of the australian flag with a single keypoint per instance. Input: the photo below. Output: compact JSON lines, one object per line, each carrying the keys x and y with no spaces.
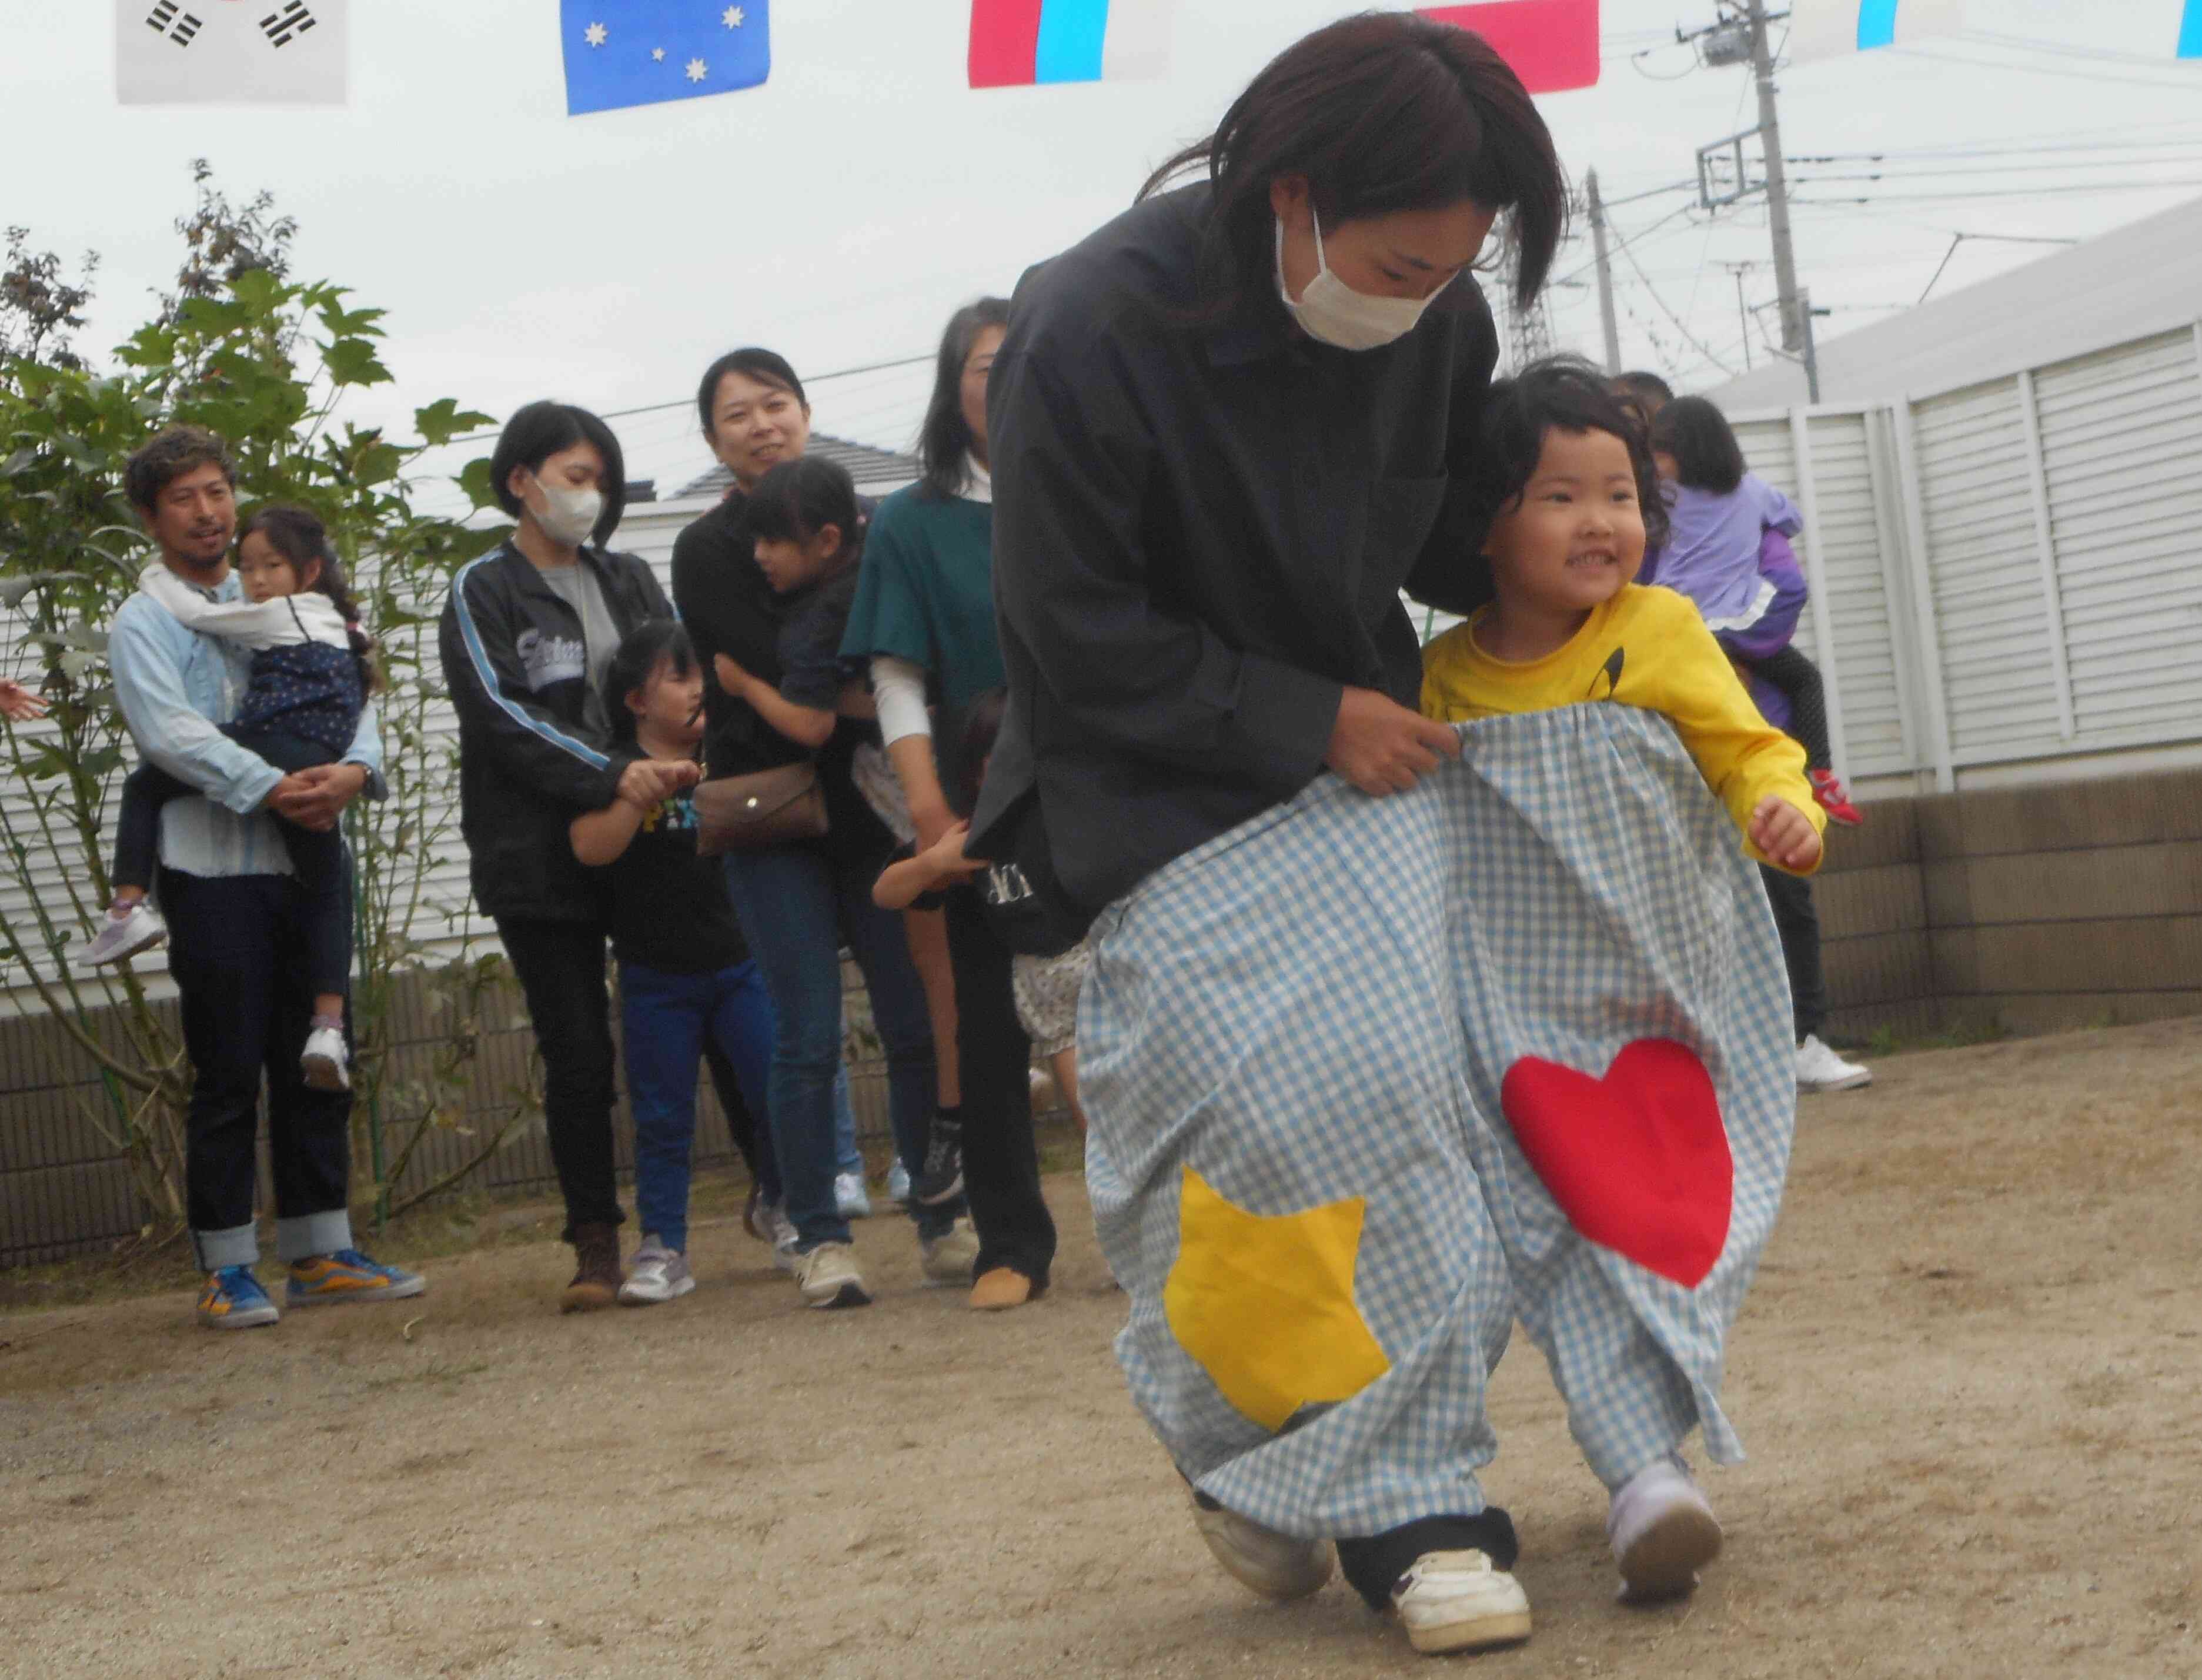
{"x":641,"y":52}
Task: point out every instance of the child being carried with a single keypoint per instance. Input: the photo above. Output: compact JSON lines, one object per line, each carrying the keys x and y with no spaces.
{"x":312,"y":669}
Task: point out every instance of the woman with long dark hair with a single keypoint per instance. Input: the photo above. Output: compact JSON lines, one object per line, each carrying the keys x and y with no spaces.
{"x":924,"y":618}
{"x":527,"y":636}
{"x":1226,"y":430}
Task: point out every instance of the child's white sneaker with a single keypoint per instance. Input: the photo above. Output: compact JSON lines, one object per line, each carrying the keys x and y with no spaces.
{"x":326,"y":1063}
{"x":121,"y":936}
{"x":656,"y":1274}
{"x":1662,"y":1531}
{"x":1460,"y":1601}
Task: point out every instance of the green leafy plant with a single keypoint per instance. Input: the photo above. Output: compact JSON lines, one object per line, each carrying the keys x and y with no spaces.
{"x":269,"y":363}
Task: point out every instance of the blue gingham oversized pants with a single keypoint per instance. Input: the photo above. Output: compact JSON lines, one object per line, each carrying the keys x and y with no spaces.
{"x":1320,"y":1006}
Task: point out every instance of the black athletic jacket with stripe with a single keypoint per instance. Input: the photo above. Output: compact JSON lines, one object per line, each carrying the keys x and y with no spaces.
{"x":516,"y":663}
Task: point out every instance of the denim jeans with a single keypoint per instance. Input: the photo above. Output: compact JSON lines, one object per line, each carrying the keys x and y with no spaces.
{"x":797,"y":904}
{"x":664,"y":1020}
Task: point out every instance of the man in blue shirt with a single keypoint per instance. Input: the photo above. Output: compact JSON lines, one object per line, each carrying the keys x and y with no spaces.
{"x":236,"y":940}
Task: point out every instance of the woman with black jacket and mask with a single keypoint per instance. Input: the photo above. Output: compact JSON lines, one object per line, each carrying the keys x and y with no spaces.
{"x":526,"y":636}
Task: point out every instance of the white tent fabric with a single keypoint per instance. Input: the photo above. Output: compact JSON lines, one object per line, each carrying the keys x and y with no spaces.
{"x":2137,"y":280}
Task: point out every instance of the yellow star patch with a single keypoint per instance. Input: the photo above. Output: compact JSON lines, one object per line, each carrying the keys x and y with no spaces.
{"x":1265,"y":1303}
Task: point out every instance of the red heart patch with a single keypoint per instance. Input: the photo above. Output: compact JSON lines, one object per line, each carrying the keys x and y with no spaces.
{"x":1637,"y":1160}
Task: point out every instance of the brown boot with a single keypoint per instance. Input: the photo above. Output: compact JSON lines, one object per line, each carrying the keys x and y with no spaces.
{"x":596,"y":1280}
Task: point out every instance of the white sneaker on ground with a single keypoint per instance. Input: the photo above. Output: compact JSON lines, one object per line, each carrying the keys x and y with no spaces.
{"x":1275,"y":1565}
{"x":828,"y":1277}
{"x":1458,"y":1601}
{"x":898,"y":1182}
{"x":140,"y":930}
{"x":326,"y":1062}
{"x":1819,"y":1069}
{"x":784,"y":1238}
{"x":655,"y":1274}
{"x":950,"y":1257}
{"x":848,"y":1197}
{"x":1662,"y":1531}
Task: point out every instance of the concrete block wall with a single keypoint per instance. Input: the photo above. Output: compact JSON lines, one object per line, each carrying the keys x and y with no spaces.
{"x":2021,"y":909}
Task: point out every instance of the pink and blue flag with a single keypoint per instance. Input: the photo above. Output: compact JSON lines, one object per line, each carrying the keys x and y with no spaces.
{"x":1022,"y":42}
{"x":1552,"y":44}
{"x":643,"y":52}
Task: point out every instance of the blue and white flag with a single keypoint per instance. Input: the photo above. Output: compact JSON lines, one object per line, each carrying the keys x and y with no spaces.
{"x":644,"y":52}
{"x":1830,"y":28}
{"x":230,"y":52}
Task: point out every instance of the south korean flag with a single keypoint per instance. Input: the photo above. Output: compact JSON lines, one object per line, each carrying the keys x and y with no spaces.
{"x":230,"y":52}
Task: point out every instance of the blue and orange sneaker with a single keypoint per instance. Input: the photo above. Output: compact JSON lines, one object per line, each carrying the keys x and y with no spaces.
{"x":234,"y":1300}
{"x":349,"y":1275}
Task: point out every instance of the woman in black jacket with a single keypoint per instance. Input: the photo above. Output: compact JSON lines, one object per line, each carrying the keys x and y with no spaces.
{"x":526,"y":636}
{"x":1225,"y":429}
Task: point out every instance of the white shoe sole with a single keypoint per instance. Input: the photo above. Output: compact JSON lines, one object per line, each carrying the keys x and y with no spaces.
{"x":631,"y":1296}
{"x":1854,"y":1081}
{"x":150,"y":942}
{"x":249,"y":1320}
{"x":1663,"y":1561}
{"x":1477,"y":1633}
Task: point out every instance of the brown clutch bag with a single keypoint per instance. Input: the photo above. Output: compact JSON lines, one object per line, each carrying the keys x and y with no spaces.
{"x":748,"y":813}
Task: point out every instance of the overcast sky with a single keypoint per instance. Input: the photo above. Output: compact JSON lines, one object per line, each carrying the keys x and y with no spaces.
{"x":839,"y":212}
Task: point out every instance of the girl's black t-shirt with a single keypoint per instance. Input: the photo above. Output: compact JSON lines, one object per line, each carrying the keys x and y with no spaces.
{"x":722,"y":596}
{"x":670,"y":911}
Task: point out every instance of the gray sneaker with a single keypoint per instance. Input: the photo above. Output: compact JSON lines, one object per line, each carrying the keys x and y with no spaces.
{"x":850,"y":1199}
{"x":140,"y":930}
{"x":949,"y":1258}
{"x":655,"y":1274}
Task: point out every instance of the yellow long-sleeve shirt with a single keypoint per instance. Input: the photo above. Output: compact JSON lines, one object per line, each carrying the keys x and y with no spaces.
{"x":1646,"y":647}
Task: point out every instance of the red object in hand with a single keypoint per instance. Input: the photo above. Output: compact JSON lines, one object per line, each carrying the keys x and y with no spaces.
{"x":1638,"y":1160}
{"x":1552,"y":44}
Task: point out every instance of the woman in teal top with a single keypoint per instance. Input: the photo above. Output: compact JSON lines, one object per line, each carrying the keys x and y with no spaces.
{"x":924,"y":619}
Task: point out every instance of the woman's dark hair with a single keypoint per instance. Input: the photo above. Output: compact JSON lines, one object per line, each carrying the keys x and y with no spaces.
{"x":1697,"y":434}
{"x":298,"y":535}
{"x":541,"y":430}
{"x":1640,"y":383}
{"x":797,"y":499}
{"x":1382,"y":112}
{"x":944,"y":442}
{"x":982,"y":723}
{"x":653,"y":642}
{"x":166,"y":455}
{"x":1561,"y":393}
{"x":766,"y":367}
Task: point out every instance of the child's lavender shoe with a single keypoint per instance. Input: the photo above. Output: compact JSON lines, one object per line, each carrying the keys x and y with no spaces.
{"x":123,"y":936}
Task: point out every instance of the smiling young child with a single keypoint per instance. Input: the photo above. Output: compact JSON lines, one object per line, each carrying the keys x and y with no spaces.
{"x":1567,"y":624}
{"x":312,"y":669}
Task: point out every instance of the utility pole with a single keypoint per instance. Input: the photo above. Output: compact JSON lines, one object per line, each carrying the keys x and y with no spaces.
{"x":1742,"y":313}
{"x":1805,"y":313}
{"x":1605,"y":314}
{"x":1795,"y":330}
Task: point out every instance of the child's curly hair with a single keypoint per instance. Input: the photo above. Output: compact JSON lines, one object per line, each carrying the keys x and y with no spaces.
{"x":1561,"y":393}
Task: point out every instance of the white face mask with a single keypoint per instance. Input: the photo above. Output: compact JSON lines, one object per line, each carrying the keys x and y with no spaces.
{"x":567,"y":517}
{"x":1333,"y":312}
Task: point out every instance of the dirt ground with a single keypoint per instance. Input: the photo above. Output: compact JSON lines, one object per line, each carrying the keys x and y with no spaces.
{"x":1970,"y":1378}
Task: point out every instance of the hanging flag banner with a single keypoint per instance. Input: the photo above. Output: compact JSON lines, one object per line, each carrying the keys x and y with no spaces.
{"x":1022,"y":43}
{"x":644,"y":52}
{"x":230,"y":52}
{"x":2187,"y":43}
{"x":1552,"y":44}
{"x":1831,"y":28}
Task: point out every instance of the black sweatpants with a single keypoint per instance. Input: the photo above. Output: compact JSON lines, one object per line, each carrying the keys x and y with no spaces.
{"x":237,"y":946}
{"x":1001,"y":1163}
{"x":323,"y":870}
{"x":1798,"y":923}
{"x":561,"y":966}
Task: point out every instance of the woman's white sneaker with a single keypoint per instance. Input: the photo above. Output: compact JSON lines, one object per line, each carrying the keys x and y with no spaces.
{"x":1458,"y":1602}
{"x":828,"y":1277}
{"x":1819,"y":1069}
{"x":655,"y":1274}
{"x":1275,"y":1565}
{"x":1664,"y":1532}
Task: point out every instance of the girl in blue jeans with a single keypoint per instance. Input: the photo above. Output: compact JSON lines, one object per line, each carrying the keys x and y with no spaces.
{"x":686,"y":977}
